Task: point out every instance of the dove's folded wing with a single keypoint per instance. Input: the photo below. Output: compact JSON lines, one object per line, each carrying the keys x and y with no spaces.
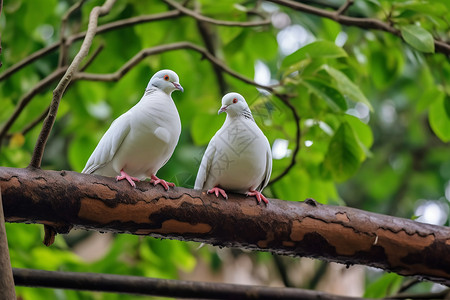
{"x":268,"y":171}
{"x":109,"y":144}
{"x":205,"y":166}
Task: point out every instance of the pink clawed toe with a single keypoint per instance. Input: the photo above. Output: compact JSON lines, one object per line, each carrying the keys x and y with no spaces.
{"x":155,"y":180}
{"x":216,"y":190}
{"x":259,"y":196}
{"x":129,"y":178}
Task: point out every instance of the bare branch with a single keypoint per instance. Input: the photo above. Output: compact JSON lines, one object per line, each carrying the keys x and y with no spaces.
{"x":365,"y":23}
{"x":62,"y":32}
{"x":344,"y":7}
{"x":63,"y":199}
{"x":38,"y":88}
{"x":423,"y":296}
{"x":23,"y":102}
{"x":61,"y":87}
{"x":164,"y":48}
{"x":101,"y":29}
{"x":6,"y":275}
{"x":202,"y":18}
{"x":161,"y":287}
{"x":296,"y":116}
{"x":1,"y":8}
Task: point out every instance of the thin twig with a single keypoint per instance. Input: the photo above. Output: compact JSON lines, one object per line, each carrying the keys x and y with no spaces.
{"x":63,"y":49}
{"x":32,"y":124}
{"x":297,"y":120}
{"x":164,"y":48}
{"x":97,"y":11}
{"x":101,"y":29}
{"x":161,"y":287}
{"x":432,"y":296}
{"x":203,"y":18}
{"x":38,"y":88}
{"x":1,"y":8}
{"x":344,"y":7}
{"x":92,"y":58}
{"x":27,"y":98}
{"x":365,"y":23}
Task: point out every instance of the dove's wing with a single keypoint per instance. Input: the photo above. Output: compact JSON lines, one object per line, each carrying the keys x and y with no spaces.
{"x":109,"y":144}
{"x":205,"y":166}
{"x":268,"y":171}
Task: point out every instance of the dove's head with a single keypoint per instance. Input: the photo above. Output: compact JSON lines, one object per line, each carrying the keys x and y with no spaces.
{"x":234,"y":105}
{"x":166,"y":80}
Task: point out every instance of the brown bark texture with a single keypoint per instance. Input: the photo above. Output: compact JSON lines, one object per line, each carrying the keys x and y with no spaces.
{"x":65,"y":199}
{"x":7,"y":291}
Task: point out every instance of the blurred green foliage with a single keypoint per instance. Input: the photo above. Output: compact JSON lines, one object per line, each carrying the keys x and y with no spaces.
{"x":375,"y":113}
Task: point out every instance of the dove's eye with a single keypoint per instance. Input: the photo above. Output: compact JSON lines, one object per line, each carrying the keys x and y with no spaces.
{"x":166,"y":77}
{"x":235,"y":100}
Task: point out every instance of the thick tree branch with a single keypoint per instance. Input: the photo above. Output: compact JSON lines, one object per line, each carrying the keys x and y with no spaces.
{"x":7,"y":291}
{"x":161,"y":287}
{"x":202,"y":18}
{"x":62,"y":85}
{"x":341,"y":234}
{"x":365,"y":23}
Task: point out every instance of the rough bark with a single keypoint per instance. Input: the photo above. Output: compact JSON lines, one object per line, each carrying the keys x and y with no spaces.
{"x":6,"y":275}
{"x":65,"y":199}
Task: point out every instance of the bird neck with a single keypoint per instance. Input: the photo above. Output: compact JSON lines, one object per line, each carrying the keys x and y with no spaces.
{"x":245,"y":114}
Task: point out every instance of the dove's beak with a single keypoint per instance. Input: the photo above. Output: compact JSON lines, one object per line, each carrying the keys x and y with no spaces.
{"x":178,"y":86}
{"x":222,"y":109}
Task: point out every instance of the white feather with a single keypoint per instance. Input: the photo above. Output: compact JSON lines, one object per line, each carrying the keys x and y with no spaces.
{"x":141,"y":140}
{"x":238,"y":157}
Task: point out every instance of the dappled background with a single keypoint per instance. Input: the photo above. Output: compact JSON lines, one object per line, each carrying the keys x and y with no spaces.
{"x":374,"y":121}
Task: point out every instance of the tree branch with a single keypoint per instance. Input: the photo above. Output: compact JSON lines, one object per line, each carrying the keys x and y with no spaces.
{"x":63,"y":47}
{"x":365,"y":23}
{"x":38,"y":88}
{"x":296,"y":116}
{"x":23,"y":102}
{"x":164,"y":48}
{"x":160,"y":287}
{"x":6,"y":275}
{"x":62,"y":85}
{"x":101,"y":29}
{"x":342,"y":234}
{"x":202,"y":18}
{"x":344,"y":7}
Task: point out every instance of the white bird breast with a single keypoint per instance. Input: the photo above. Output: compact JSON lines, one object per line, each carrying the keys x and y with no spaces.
{"x":154,"y":131}
{"x":240,"y":157}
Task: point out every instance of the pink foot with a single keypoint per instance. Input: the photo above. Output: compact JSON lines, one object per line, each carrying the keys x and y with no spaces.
{"x":259,"y":196}
{"x":155,"y":180}
{"x":130,"y":179}
{"x":216,"y":190}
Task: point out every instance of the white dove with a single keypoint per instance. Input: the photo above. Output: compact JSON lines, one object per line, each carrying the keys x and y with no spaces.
{"x":141,"y":141}
{"x":238,"y":157}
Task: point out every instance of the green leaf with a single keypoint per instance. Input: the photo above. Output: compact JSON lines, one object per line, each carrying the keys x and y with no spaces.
{"x":418,"y":38}
{"x":440,"y":119}
{"x":386,"y":285}
{"x":347,"y":87}
{"x":320,"y":49}
{"x":332,"y":96}
{"x":344,"y":153}
{"x":362,"y":131}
